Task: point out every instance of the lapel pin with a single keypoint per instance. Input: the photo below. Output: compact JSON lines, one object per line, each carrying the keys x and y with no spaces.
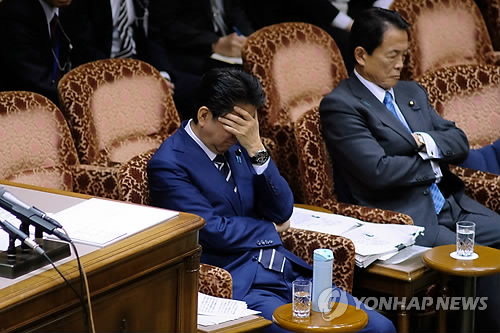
{"x":411,"y":103}
{"x":238,"y":155}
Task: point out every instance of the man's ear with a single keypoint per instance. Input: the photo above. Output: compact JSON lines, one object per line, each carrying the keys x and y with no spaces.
{"x":204,"y":115}
{"x":360,"y":54}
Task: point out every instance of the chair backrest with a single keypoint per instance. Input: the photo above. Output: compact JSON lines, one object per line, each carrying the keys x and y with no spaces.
{"x":315,"y":165}
{"x":298,"y":64}
{"x":35,"y":142}
{"x":491,"y":14}
{"x":470,"y":96}
{"x":133,"y":184}
{"x":116,"y":109}
{"x":443,"y":33}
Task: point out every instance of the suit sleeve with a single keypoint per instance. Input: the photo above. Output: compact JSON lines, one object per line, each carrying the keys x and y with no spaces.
{"x":451,"y":140}
{"x":376,"y":156}
{"x":24,"y":56}
{"x":171,"y":187}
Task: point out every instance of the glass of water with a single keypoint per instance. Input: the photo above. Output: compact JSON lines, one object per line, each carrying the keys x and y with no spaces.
{"x":301,"y":292}
{"x":465,"y":238}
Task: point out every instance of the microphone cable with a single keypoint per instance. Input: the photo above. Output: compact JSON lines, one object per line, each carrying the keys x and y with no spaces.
{"x":89,"y":317}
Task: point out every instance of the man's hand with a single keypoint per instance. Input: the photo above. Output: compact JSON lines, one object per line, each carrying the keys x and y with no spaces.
{"x":230,"y":45}
{"x":245,"y":128}
{"x":282,"y":227}
{"x":171,"y":87}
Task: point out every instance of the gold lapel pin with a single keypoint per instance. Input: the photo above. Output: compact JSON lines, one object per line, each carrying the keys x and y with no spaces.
{"x":411,"y":103}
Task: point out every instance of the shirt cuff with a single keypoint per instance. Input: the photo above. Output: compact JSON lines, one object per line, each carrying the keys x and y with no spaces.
{"x":383,"y":3}
{"x":431,"y":149}
{"x":259,"y":169}
{"x":342,"y":21}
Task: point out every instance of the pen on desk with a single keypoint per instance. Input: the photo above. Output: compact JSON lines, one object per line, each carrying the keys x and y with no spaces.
{"x":238,"y":32}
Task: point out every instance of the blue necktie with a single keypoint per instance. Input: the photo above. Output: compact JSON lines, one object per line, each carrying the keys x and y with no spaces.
{"x":221,"y":164}
{"x":437,"y":196}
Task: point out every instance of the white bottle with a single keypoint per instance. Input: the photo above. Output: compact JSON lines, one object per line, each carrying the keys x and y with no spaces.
{"x":322,"y":274}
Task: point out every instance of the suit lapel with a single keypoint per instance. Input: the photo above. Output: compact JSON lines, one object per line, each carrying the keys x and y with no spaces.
{"x":207,"y":168}
{"x":409,"y":108}
{"x":379,"y":109}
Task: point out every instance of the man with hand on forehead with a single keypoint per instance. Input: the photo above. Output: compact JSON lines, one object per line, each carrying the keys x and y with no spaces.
{"x":216,"y":166}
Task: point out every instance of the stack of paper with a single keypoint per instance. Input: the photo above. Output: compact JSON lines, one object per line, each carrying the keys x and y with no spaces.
{"x":372,"y":241}
{"x":216,"y":310}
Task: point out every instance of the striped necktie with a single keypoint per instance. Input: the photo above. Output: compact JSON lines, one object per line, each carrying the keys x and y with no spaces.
{"x":437,"y":196}
{"x":218,"y":16}
{"x":125,"y":30}
{"x":222,"y":165}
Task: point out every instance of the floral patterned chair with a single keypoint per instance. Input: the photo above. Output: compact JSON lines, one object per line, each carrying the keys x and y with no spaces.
{"x":116,"y":109}
{"x":37,"y":148}
{"x":298,"y":64}
{"x":444,"y":33}
{"x":133,"y":187}
{"x":470,"y":96}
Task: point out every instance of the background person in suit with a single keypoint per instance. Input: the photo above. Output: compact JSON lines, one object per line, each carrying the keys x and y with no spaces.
{"x":391,"y":149}
{"x":192,"y":30}
{"x":100,"y":29}
{"x":35,"y":48}
{"x":245,"y":204}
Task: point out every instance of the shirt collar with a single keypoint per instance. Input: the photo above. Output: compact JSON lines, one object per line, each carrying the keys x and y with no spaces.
{"x":377,"y":91}
{"x":49,"y":10}
{"x":211,"y":155}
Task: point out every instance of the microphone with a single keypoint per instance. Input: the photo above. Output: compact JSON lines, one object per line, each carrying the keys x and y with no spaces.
{"x":15,"y":201}
{"x":16,"y":233}
{"x":29,"y":215}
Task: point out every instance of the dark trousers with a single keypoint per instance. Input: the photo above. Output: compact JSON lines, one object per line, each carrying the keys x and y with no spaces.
{"x":272,"y":289}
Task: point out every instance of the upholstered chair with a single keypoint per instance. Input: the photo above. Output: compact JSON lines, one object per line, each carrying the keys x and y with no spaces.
{"x":491,"y":14}
{"x":298,"y":64}
{"x":116,"y":109}
{"x":317,"y":181}
{"x":133,"y":187}
{"x":37,"y":148}
{"x":470,"y":96}
{"x":444,"y":33}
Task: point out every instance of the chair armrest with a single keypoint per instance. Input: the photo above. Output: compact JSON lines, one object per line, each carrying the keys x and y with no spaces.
{"x":215,"y":281}
{"x":101,"y":181}
{"x":367,"y":214}
{"x":303,"y":243}
{"x":481,"y":186}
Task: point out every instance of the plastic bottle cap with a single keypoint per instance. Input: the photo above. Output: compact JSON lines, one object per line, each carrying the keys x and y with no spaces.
{"x":323,"y":254}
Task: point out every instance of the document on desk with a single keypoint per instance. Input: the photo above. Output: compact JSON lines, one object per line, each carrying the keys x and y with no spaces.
{"x":371,"y":240}
{"x":215,"y":310}
{"x":100,"y":222}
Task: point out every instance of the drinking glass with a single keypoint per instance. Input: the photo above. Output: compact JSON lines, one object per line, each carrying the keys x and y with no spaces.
{"x":465,"y":238}
{"x":301,"y":292}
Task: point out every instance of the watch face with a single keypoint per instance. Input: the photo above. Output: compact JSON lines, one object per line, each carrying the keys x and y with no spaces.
{"x":261,"y":157}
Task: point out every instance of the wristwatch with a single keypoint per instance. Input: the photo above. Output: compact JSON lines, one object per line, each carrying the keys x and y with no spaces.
{"x":260,"y":157}
{"x":421,"y":142}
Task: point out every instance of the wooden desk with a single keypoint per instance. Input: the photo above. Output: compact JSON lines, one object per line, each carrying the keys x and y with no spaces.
{"x":403,"y":280}
{"x":352,"y":320}
{"x":147,"y":282}
{"x":488,"y":263}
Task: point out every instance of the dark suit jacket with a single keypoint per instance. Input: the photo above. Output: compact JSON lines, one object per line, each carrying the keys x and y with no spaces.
{"x":375,"y":157}
{"x":238,"y":225}
{"x":186,"y":28}
{"x":26,"y":59}
{"x":89,"y":24}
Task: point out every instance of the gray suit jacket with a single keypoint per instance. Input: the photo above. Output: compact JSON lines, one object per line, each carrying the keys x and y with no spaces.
{"x":375,"y":157}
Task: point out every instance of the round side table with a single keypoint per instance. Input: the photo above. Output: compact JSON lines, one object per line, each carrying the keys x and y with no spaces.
{"x":488,"y":263}
{"x":352,"y":320}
